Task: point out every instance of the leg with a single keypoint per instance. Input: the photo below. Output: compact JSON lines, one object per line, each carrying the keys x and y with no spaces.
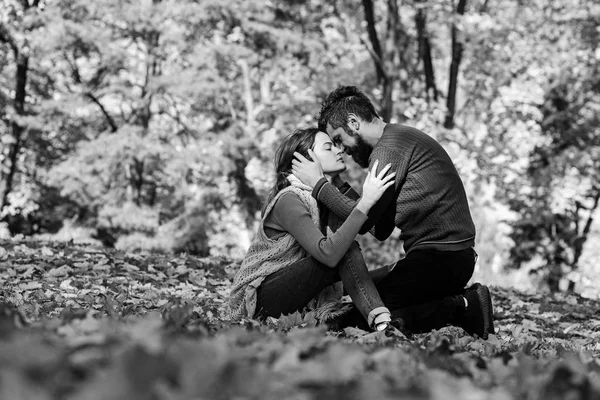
{"x":358,"y":284}
{"x":425,"y":288}
{"x":290,"y":289}
{"x":379,"y":273}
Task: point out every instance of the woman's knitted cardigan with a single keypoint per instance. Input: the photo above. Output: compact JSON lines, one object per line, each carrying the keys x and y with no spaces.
{"x":267,"y":256}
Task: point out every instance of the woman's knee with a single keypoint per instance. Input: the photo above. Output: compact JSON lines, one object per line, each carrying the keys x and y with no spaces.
{"x":354,"y":249}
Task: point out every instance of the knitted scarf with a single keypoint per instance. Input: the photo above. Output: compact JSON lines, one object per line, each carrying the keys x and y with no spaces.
{"x":267,"y":256}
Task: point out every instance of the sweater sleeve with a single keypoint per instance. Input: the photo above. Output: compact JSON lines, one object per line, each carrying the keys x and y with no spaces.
{"x":385,"y":225}
{"x":381,"y":221}
{"x":382,"y":215}
{"x":349,"y":191}
{"x":293,"y":216}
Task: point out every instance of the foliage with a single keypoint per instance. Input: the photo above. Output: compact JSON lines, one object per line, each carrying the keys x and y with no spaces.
{"x":88,"y":323}
{"x":152,"y":124}
{"x":560,"y":194}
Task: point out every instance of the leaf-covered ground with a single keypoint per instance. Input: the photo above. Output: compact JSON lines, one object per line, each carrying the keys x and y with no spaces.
{"x":85,"y":323}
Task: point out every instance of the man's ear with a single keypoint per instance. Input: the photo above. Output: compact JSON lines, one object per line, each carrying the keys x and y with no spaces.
{"x":353,"y":122}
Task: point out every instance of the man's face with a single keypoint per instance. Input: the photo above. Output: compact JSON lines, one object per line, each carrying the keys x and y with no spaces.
{"x":352,"y":143}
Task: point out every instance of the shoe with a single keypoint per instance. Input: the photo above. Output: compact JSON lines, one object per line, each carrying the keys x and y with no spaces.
{"x":379,"y":318}
{"x":382,"y":321}
{"x":476,"y":286}
{"x":478,"y":317}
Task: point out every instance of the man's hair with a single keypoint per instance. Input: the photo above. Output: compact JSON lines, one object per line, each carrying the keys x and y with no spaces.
{"x":343,"y":101}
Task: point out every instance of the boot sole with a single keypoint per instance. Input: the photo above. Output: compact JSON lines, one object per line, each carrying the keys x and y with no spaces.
{"x":476,"y":286}
{"x":483,"y":293}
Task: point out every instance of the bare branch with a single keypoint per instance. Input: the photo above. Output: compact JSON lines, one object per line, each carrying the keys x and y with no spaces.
{"x":89,"y":94}
{"x":376,"y":59}
{"x":109,"y":119}
{"x":6,"y":37}
{"x":588,"y":224}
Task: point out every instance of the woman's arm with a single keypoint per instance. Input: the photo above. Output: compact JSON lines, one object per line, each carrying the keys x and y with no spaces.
{"x":292,"y":215}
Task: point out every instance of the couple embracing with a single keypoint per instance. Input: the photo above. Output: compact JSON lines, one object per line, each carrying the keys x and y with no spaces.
{"x":305,"y":245}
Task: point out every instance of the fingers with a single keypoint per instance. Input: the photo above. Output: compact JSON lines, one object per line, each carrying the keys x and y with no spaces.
{"x":301,"y":157}
{"x":374,"y":169}
{"x":384,"y":171}
{"x":297,"y":164}
{"x":387,"y":185}
{"x":389,"y":178}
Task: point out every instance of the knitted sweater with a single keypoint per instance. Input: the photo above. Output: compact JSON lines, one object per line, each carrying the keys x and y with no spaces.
{"x":428,"y":201}
{"x":267,"y":256}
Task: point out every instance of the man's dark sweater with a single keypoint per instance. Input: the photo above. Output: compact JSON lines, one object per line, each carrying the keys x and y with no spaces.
{"x":428,"y":201}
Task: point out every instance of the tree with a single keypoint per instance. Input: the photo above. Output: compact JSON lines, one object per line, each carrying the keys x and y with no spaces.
{"x":457,"y":52}
{"x":15,"y":36}
{"x":557,"y":212}
{"x":425,"y":51}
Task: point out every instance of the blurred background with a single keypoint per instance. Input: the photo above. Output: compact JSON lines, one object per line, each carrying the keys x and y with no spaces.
{"x":151,"y":125}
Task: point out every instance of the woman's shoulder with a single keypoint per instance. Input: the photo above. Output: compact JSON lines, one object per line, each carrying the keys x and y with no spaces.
{"x":289,"y":200}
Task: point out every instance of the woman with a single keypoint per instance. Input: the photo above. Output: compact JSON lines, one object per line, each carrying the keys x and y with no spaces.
{"x":296,"y":256}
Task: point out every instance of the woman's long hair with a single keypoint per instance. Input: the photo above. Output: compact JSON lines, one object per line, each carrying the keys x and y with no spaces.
{"x":301,"y":140}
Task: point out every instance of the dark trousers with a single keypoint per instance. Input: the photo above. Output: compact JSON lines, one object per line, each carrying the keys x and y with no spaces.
{"x":425,"y":288}
{"x":291,"y":288}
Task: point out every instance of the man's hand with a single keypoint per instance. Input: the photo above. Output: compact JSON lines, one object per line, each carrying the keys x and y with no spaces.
{"x":309,"y":172}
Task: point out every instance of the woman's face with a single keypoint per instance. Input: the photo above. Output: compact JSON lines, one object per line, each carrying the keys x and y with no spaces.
{"x":330,"y":157}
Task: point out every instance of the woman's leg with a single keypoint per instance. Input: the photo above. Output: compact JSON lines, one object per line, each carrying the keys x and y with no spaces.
{"x":358,"y":284}
{"x":425,"y":288}
{"x":290,"y":289}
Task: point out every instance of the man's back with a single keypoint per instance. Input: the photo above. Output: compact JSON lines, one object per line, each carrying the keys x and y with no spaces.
{"x":431,"y":206}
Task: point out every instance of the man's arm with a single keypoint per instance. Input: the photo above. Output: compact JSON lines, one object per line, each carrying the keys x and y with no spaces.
{"x":345,"y":188}
{"x":342,"y":206}
{"x":386,"y":224}
{"x":381,"y":217}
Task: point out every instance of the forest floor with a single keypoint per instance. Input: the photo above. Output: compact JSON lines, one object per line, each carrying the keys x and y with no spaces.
{"x":80,"y":322}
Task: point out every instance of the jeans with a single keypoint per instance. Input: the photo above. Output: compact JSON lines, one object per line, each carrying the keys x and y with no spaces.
{"x":290,"y":289}
{"x":425,"y":288}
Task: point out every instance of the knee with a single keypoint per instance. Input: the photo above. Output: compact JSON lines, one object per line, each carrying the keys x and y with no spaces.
{"x":355,"y":247}
{"x":354,"y":254}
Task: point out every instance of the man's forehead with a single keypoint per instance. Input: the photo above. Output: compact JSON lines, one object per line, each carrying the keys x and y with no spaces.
{"x":333,"y":131}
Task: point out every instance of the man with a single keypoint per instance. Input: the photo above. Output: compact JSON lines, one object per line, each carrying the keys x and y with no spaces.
{"x":428,"y":203}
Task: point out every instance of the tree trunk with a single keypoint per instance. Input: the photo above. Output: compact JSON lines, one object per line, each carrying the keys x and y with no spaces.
{"x":387,"y":103}
{"x":582,"y":238}
{"x":425,"y":54}
{"x":385,"y":80}
{"x":248,"y":99}
{"x":17,"y":130}
{"x":457,"y":50}
{"x":135,"y":175}
{"x":374,"y":39}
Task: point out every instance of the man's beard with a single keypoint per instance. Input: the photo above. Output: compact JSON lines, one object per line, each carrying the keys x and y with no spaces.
{"x":360,"y":152}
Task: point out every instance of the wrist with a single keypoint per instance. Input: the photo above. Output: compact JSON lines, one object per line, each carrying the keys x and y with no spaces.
{"x":363,"y":206}
{"x":315,"y":180}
